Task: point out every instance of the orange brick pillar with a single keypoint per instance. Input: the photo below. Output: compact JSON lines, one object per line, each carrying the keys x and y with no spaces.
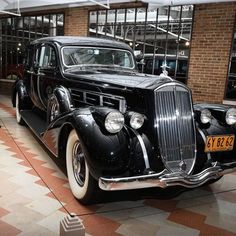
{"x":211,"y":42}
{"x":76,"y":21}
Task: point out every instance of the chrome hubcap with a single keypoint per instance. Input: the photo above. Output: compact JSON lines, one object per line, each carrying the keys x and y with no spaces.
{"x":54,"y":111}
{"x":78,"y":163}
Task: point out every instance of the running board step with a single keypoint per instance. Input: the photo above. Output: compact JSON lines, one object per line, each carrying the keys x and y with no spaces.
{"x":37,"y":124}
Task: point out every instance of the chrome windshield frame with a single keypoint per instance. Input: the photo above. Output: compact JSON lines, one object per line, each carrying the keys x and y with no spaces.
{"x":98,"y":65}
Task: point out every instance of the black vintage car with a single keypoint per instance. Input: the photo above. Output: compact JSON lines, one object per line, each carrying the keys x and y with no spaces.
{"x":115,"y":128}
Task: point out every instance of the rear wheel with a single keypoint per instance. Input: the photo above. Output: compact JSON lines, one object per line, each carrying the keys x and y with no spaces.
{"x":82,"y":184}
{"x":18,"y":106}
{"x":53,"y":109}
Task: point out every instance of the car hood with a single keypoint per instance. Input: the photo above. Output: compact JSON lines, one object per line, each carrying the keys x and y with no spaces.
{"x":126,"y":79}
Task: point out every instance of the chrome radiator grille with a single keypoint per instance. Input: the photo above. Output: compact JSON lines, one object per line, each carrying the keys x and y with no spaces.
{"x":175,"y":127}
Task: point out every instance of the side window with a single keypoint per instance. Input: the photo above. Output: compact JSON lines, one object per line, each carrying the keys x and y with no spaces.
{"x":47,"y":57}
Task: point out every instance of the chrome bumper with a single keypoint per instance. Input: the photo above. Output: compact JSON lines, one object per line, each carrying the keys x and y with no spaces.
{"x":164,"y":179}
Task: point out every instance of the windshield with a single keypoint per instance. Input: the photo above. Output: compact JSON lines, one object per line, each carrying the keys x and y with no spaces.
{"x":88,"y":56}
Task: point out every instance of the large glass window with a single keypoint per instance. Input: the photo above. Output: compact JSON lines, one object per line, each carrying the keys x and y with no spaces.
{"x":17,"y":32}
{"x":230,"y":93}
{"x":159,"y":37}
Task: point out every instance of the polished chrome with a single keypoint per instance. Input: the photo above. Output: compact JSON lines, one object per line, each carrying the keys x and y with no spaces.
{"x":100,"y":99}
{"x":135,"y":182}
{"x":30,"y":72}
{"x":54,"y":109}
{"x":144,"y":150}
{"x":78,"y":164}
{"x":175,"y":127}
{"x":164,"y":180}
{"x":40,"y":74}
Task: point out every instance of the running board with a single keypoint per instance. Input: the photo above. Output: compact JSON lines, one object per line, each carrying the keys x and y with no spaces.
{"x":37,"y":124}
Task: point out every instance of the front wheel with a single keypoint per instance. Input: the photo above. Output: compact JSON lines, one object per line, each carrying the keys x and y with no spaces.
{"x":18,"y":115}
{"x":82,"y":184}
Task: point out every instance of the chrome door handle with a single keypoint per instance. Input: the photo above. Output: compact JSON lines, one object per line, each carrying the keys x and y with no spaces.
{"x":40,"y":74}
{"x":30,"y":72}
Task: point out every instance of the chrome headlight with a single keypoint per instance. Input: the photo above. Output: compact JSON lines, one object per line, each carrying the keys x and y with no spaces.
{"x":114,"y":122}
{"x":205,"y":116}
{"x":136,"y":120}
{"x":231,"y":116}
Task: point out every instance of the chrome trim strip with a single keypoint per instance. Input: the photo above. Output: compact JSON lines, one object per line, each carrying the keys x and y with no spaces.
{"x":116,"y":49}
{"x":144,"y":150}
{"x":163,"y":180}
{"x":39,"y":92}
{"x":122,"y":102}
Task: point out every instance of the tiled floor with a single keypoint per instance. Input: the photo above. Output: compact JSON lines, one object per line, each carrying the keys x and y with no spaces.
{"x":34,"y":197}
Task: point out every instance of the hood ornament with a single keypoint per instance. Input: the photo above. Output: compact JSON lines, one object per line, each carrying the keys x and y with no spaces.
{"x":164,"y":67}
{"x":183,"y":165}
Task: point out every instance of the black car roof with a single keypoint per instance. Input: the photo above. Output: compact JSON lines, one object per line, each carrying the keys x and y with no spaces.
{"x":85,"y":41}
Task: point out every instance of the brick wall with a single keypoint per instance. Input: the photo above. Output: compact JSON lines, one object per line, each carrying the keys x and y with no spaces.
{"x":76,"y":21}
{"x":210,"y":50}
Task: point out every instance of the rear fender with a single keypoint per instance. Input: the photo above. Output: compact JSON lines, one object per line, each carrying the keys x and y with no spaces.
{"x":25,"y":101}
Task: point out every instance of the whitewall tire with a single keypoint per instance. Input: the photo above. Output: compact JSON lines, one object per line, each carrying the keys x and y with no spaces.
{"x":81,"y":182}
{"x":18,"y":115}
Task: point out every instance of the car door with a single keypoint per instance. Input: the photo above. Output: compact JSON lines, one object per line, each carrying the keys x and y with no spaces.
{"x":47,"y":74}
{"x":31,"y":73}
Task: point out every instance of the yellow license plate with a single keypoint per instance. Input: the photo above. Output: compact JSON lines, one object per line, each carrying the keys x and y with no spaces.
{"x":217,"y":143}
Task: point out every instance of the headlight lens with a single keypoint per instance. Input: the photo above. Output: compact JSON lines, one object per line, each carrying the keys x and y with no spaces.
{"x":231,"y":116}
{"x":114,"y":122}
{"x":205,"y":116}
{"x":136,"y":120}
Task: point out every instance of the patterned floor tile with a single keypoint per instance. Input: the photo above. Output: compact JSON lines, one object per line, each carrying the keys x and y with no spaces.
{"x":34,"y":191}
{"x":44,"y":205}
{"x":133,"y":227}
{"x":9,"y":201}
{"x":23,"y":218}
{"x":37,"y":230}
{"x":52,"y":222}
{"x":8,"y":230}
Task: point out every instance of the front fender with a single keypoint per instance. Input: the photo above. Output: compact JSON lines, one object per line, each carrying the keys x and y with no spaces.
{"x":106,"y":153}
